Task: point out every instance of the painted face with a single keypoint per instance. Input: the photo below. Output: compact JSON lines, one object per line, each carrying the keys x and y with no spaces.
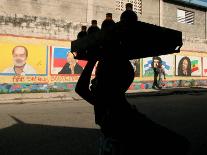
{"x":70,"y":59}
{"x":19,"y":56}
{"x":185,"y":65}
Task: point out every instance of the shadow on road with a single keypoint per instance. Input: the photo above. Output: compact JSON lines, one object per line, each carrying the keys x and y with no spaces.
{"x":183,"y":113}
{"x":35,"y":139}
{"x":169,"y":91}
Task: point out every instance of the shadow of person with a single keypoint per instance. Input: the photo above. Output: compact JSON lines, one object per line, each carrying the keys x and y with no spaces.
{"x":35,"y":139}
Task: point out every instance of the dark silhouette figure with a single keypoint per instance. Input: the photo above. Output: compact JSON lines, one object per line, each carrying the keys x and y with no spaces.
{"x":82,"y":33}
{"x":93,"y":28}
{"x":184,"y":67}
{"x":155,"y":63}
{"x":125,"y":30}
{"x":108,"y":23}
{"x":125,"y":130}
{"x":129,"y":15}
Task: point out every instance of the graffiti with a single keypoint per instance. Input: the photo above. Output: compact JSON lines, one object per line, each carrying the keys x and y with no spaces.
{"x":64,"y":78}
{"x":44,"y":79}
{"x":33,"y":79}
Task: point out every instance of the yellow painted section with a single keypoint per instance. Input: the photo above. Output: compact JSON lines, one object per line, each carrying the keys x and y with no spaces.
{"x":38,"y":58}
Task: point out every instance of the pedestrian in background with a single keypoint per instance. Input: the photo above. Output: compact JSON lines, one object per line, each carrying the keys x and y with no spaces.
{"x":161,"y":75}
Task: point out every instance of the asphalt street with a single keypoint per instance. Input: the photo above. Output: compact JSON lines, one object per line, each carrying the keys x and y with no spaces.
{"x":60,"y":128}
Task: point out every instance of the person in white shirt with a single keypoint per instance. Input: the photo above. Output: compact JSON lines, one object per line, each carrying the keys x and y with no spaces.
{"x":20,"y":67}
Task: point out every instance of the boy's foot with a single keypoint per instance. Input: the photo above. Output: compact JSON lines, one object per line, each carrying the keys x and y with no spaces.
{"x":153,"y":87}
{"x":159,"y":87}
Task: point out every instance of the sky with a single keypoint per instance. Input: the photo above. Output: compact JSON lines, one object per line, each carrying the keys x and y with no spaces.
{"x":196,"y":2}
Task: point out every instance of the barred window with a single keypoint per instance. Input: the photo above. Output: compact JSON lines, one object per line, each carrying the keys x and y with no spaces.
{"x":137,"y":5}
{"x":184,"y":16}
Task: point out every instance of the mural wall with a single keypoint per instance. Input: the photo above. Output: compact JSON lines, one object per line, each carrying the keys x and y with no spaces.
{"x":204,"y":66}
{"x":40,"y":65}
{"x":167,"y":62}
{"x":23,"y":60}
{"x":188,"y":66}
{"x":63,"y":62}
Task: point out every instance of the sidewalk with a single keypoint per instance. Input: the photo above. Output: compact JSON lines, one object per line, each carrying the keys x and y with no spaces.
{"x":68,"y":96}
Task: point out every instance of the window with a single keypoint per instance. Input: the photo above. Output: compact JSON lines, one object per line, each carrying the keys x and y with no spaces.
{"x":184,"y":16}
{"x":137,"y":5}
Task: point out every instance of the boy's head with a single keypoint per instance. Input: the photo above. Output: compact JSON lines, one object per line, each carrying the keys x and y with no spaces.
{"x":83,"y":28}
{"x":94,"y":22}
{"x":129,"y":6}
{"x":109,"y":16}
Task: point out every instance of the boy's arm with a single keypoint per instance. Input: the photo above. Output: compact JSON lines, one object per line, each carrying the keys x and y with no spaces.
{"x":82,"y":86}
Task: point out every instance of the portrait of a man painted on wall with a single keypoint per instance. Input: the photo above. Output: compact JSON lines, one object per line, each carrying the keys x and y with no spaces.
{"x":23,"y":59}
{"x":63,"y":62}
{"x":20,"y":66}
{"x":71,"y":66}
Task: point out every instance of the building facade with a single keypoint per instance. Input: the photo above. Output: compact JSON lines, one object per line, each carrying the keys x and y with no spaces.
{"x":46,"y":29}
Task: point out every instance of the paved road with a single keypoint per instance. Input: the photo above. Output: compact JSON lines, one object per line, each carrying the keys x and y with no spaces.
{"x":68,"y":127}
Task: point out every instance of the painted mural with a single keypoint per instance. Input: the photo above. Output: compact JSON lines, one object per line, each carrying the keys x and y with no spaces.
{"x":204,"y":66}
{"x":41,"y":65}
{"x":23,"y":60}
{"x":63,"y":62}
{"x":136,"y":65}
{"x":167,"y":63}
{"x":188,"y":66}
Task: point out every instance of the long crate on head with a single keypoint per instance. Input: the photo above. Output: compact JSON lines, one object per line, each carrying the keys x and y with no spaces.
{"x":132,"y":41}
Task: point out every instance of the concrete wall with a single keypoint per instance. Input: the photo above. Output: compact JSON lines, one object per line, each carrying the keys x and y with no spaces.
{"x":65,"y":9}
{"x":62,"y":19}
{"x":47,"y":19}
{"x":150,"y":12}
{"x":102,"y":7}
{"x":46,"y":28}
{"x":169,"y":19}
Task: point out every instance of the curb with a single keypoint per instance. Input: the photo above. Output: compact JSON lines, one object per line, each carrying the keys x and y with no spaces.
{"x":72,"y":96}
{"x":38,"y":97}
{"x":24,"y":101}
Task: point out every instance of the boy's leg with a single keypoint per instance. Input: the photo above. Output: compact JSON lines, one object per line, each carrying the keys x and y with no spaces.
{"x":155,"y":84}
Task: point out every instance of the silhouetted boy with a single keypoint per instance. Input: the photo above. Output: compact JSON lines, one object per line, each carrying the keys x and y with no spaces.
{"x":82,"y":33}
{"x":108,"y":23}
{"x":93,"y":28}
